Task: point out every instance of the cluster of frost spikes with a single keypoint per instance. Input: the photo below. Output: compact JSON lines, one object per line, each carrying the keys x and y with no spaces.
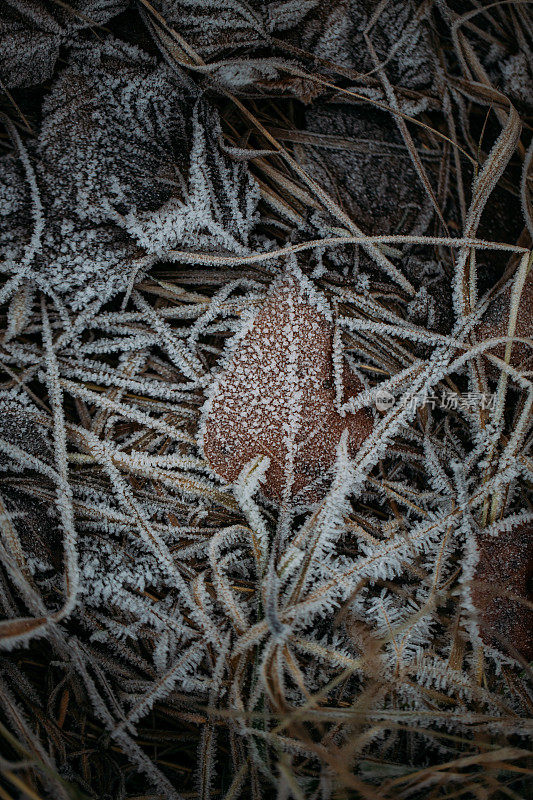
{"x":101,"y":214}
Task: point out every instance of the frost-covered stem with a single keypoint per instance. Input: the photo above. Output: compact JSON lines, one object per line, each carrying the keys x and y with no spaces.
{"x":212,"y":259}
{"x":483,"y":185}
{"x":64,"y":491}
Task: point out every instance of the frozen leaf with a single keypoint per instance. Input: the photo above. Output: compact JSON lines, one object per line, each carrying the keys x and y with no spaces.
{"x":275,"y":396}
{"x":511,"y":73}
{"x":31,"y":34}
{"x":219,"y":26}
{"x":19,"y":427}
{"x":216,"y":25}
{"x":218,"y":210}
{"x":123,"y":150}
{"x":76,"y":260}
{"x":254,"y":41}
{"x":123,"y":141}
{"x":500,"y":590}
{"x":399,"y":36}
{"x":358,"y":156}
{"x":277,"y":31}
{"x":82,"y":13}
{"x":37,"y":526}
{"x":86,"y":262}
{"x":518,"y":78}
{"x":113,"y":134}
{"x":495,"y":323}
{"x":29,"y":44}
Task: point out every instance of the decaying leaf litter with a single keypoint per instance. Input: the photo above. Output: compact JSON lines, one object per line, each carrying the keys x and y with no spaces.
{"x":228,"y":231}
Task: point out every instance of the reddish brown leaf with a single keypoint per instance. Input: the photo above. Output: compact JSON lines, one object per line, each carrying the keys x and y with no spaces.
{"x":281,"y":375}
{"x":495,"y":323}
{"x":503,"y":573}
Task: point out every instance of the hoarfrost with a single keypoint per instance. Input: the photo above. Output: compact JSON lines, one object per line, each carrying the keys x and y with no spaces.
{"x":32,"y":33}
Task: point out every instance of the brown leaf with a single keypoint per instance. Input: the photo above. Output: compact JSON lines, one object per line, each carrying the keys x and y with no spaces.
{"x":495,"y":321}
{"x":501,"y":581}
{"x":277,"y":393}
